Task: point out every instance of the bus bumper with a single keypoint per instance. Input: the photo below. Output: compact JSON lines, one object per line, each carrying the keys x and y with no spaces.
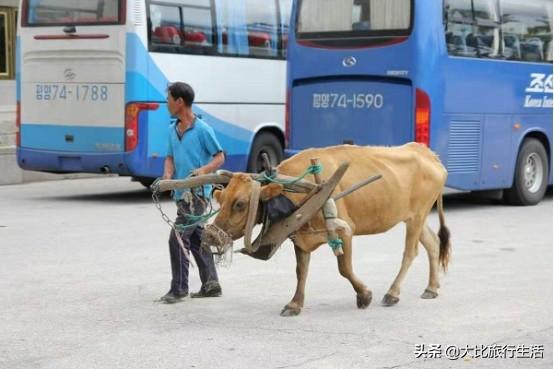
{"x":67,"y":162}
{"x":123,"y":163}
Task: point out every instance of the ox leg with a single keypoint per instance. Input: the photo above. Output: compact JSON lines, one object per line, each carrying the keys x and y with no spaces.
{"x":363,"y":294}
{"x":297,"y":303}
{"x":413,"y":232}
{"x":431,"y":243}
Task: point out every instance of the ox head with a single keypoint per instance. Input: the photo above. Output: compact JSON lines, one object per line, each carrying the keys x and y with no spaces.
{"x":242,"y":199}
{"x":239,"y":203}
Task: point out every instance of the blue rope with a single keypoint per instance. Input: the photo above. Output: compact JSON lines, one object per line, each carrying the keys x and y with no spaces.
{"x":335,"y":244}
{"x":312,"y":169}
{"x":195,"y":220}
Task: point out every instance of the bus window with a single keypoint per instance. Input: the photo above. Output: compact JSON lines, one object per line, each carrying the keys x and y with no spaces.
{"x":232,"y":37}
{"x":527,"y":30}
{"x":486,"y":37}
{"x":165,"y":26}
{"x":261,"y":25}
{"x":473,"y":28}
{"x":184,"y":28}
{"x":459,"y":26}
{"x":285,"y":7}
{"x":486,"y":11}
{"x":197,"y":26}
{"x":368,"y":15}
{"x":247,"y":28}
{"x":61,"y":12}
{"x":353,"y":23}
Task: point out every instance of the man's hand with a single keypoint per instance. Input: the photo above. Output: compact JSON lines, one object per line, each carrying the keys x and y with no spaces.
{"x":154,"y":185}
{"x":198,"y":172}
{"x":211,"y":167}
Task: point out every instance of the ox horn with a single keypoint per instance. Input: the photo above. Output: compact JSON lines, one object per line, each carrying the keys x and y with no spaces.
{"x":181,"y":184}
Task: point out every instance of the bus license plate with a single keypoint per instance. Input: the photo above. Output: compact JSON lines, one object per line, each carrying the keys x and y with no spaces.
{"x":347,"y":101}
{"x":71,"y":92}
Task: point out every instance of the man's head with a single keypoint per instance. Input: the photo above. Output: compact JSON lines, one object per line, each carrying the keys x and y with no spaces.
{"x":180,"y":97}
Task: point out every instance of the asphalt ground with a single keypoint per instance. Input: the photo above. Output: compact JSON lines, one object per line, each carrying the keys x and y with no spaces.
{"x":83,"y":261}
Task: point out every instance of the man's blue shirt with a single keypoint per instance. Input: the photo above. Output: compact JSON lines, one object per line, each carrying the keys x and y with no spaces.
{"x":193,"y":150}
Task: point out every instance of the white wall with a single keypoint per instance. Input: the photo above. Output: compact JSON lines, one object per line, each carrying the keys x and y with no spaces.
{"x":7,"y":112}
{"x":13,"y":3}
{"x":9,"y":172}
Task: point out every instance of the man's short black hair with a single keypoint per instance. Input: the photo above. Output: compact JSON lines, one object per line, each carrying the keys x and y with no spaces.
{"x":182,"y":90}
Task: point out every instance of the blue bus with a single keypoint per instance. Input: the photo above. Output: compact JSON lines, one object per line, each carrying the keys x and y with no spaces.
{"x":472,"y":79}
{"x":92,"y":78}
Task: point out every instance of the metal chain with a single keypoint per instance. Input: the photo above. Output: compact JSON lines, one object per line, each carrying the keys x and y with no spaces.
{"x":165,"y":217}
{"x":158,"y":205}
{"x":196,"y":219}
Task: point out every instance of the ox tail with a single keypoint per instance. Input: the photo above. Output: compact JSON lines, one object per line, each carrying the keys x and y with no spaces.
{"x":444,"y":237}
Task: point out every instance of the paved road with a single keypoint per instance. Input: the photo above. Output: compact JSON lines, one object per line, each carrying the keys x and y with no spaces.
{"x":82,"y":262}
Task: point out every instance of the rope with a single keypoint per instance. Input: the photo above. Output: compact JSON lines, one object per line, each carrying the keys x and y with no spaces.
{"x":335,"y":244}
{"x":312,"y":169}
{"x":195,"y":219}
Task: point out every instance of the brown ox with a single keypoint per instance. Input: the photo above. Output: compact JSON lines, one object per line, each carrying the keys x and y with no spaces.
{"x":412,"y":181}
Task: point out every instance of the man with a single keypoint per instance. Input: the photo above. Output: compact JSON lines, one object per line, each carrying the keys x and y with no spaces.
{"x":193,"y":150}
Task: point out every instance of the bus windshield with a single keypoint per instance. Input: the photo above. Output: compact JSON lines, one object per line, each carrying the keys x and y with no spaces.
{"x":355,"y":19}
{"x":77,"y":12}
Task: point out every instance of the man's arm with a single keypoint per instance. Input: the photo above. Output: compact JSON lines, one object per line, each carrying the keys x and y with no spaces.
{"x":169,"y":167}
{"x":217,"y":161}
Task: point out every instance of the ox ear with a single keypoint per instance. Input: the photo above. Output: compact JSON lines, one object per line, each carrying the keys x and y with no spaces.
{"x":270,"y":191}
{"x":217,"y":195}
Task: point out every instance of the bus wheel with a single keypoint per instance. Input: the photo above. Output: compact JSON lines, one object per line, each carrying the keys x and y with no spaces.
{"x":531,"y":175}
{"x":266,"y":143}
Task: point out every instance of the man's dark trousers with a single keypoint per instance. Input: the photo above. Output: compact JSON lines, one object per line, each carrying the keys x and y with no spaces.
{"x":191,"y":239}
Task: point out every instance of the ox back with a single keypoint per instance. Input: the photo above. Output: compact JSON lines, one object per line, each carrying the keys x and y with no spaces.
{"x":413,"y":176}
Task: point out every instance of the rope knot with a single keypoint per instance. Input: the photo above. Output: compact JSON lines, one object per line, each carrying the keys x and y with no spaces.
{"x":312,"y":169}
{"x":335,"y":244}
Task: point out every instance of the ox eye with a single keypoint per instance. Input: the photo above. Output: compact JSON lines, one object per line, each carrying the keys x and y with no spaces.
{"x":239,"y":205}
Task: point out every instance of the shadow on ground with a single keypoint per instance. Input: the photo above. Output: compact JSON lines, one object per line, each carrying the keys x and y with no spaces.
{"x":135,"y":196}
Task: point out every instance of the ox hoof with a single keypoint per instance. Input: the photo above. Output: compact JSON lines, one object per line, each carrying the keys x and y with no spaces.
{"x":428,"y":294}
{"x":290,"y":311}
{"x":363,"y":299}
{"x":389,"y":300}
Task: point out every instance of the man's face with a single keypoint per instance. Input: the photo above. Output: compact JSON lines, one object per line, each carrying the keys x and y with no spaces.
{"x":174,"y":106}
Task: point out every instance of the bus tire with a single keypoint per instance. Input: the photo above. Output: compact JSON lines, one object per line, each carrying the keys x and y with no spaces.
{"x":268,"y":143}
{"x":530,"y":176}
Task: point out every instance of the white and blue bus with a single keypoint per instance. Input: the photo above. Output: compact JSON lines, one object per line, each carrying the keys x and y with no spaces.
{"x":92,"y":78}
{"x":470,"y":78}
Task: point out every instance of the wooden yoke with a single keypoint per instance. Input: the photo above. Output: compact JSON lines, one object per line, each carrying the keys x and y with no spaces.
{"x":331,"y":233}
{"x":280,"y":231}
